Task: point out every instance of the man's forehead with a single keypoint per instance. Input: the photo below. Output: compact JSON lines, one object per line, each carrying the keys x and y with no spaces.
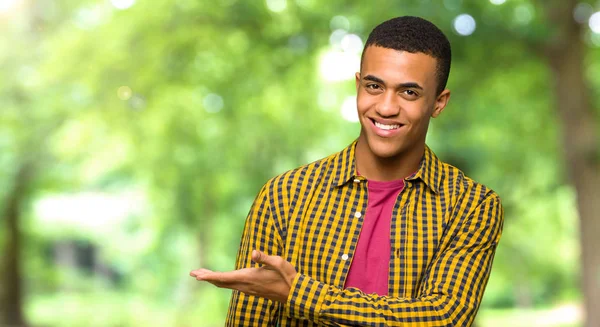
{"x":384,"y":62}
{"x":375,"y":51}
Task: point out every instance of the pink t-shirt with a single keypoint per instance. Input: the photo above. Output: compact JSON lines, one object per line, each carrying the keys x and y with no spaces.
{"x":370,"y":266}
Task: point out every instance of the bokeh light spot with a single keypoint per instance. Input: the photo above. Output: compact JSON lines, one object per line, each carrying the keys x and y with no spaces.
{"x":339,"y":66}
{"x":122,"y":4}
{"x":497,"y":2}
{"x":124,"y":92}
{"x":524,"y":14}
{"x":464,"y":24}
{"x":582,"y":12}
{"x":594,"y":22}
{"x":276,"y":5}
{"x":339,"y":23}
{"x":89,"y":17}
{"x":352,"y":43}
{"x":213,"y":103}
{"x":335,"y":39}
{"x":137,"y":102}
{"x":5,"y":5}
{"x":348,"y":109}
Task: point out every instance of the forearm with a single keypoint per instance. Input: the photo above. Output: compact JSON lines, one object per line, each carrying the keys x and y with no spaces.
{"x":330,"y":306}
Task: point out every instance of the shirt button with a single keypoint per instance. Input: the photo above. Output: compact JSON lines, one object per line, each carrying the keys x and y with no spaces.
{"x":356,"y":180}
{"x":358,"y":214}
{"x":344,"y":257}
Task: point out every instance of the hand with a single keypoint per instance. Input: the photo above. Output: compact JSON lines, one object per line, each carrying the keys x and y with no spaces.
{"x":273,"y":280}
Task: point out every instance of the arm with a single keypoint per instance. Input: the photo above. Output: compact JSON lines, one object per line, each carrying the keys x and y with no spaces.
{"x":259,"y":233}
{"x":450,"y":294}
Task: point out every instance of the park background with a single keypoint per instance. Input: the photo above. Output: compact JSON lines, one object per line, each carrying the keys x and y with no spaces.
{"x":135,"y":134}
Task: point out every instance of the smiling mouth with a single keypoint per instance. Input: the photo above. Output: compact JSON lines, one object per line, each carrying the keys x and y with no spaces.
{"x":386,"y":127}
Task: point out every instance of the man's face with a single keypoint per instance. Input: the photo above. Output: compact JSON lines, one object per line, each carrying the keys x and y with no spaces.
{"x":396,"y":96}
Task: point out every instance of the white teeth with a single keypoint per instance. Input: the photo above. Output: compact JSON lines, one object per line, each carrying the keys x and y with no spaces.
{"x":386,"y":127}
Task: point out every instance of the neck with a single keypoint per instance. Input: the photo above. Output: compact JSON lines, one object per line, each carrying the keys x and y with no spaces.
{"x":397,"y":167}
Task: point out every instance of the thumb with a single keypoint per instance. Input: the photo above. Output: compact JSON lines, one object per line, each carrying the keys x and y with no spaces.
{"x":259,"y":257}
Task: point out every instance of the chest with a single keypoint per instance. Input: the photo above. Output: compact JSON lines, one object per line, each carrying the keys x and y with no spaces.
{"x":323,"y":233}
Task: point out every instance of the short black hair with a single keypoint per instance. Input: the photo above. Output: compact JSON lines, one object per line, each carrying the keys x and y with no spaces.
{"x":414,"y":34}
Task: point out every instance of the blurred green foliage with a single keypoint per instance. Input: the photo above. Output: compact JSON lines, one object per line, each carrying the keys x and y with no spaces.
{"x":150,"y":130}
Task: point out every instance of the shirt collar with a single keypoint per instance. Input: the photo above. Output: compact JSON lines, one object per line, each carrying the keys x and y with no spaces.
{"x":429,"y":170}
{"x":344,"y":165}
{"x":344,"y":168}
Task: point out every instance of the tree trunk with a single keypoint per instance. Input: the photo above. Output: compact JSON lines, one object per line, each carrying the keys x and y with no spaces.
{"x":12,"y":301}
{"x":581,"y":145}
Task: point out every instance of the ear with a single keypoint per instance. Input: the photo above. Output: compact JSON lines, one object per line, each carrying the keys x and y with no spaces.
{"x":440,"y":103}
{"x":357,"y":76}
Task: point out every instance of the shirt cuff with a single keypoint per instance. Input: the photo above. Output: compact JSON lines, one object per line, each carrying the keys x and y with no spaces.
{"x":305,"y":299}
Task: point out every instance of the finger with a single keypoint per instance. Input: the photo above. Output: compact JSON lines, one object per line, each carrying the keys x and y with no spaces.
{"x":228,"y":277}
{"x":197,"y":272}
{"x":260,"y":257}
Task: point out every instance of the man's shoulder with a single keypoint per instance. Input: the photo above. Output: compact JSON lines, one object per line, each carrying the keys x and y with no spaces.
{"x":308,"y":173}
{"x":461,"y":185}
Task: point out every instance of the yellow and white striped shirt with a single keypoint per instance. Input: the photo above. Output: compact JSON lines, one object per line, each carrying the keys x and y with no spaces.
{"x":444,"y":232}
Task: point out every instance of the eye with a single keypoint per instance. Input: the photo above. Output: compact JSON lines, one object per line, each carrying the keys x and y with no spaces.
{"x":410,"y":94}
{"x":374,"y":88}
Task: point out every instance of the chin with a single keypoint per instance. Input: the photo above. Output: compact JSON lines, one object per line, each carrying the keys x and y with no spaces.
{"x":385,"y":150}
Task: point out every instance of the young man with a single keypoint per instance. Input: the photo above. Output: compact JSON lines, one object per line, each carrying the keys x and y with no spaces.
{"x":382,"y":233}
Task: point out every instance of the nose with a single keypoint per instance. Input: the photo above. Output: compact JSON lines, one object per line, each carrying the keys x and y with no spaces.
{"x":389,"y":105}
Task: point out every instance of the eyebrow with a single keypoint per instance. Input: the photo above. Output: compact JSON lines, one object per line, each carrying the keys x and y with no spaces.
{"x":376,"y":79}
